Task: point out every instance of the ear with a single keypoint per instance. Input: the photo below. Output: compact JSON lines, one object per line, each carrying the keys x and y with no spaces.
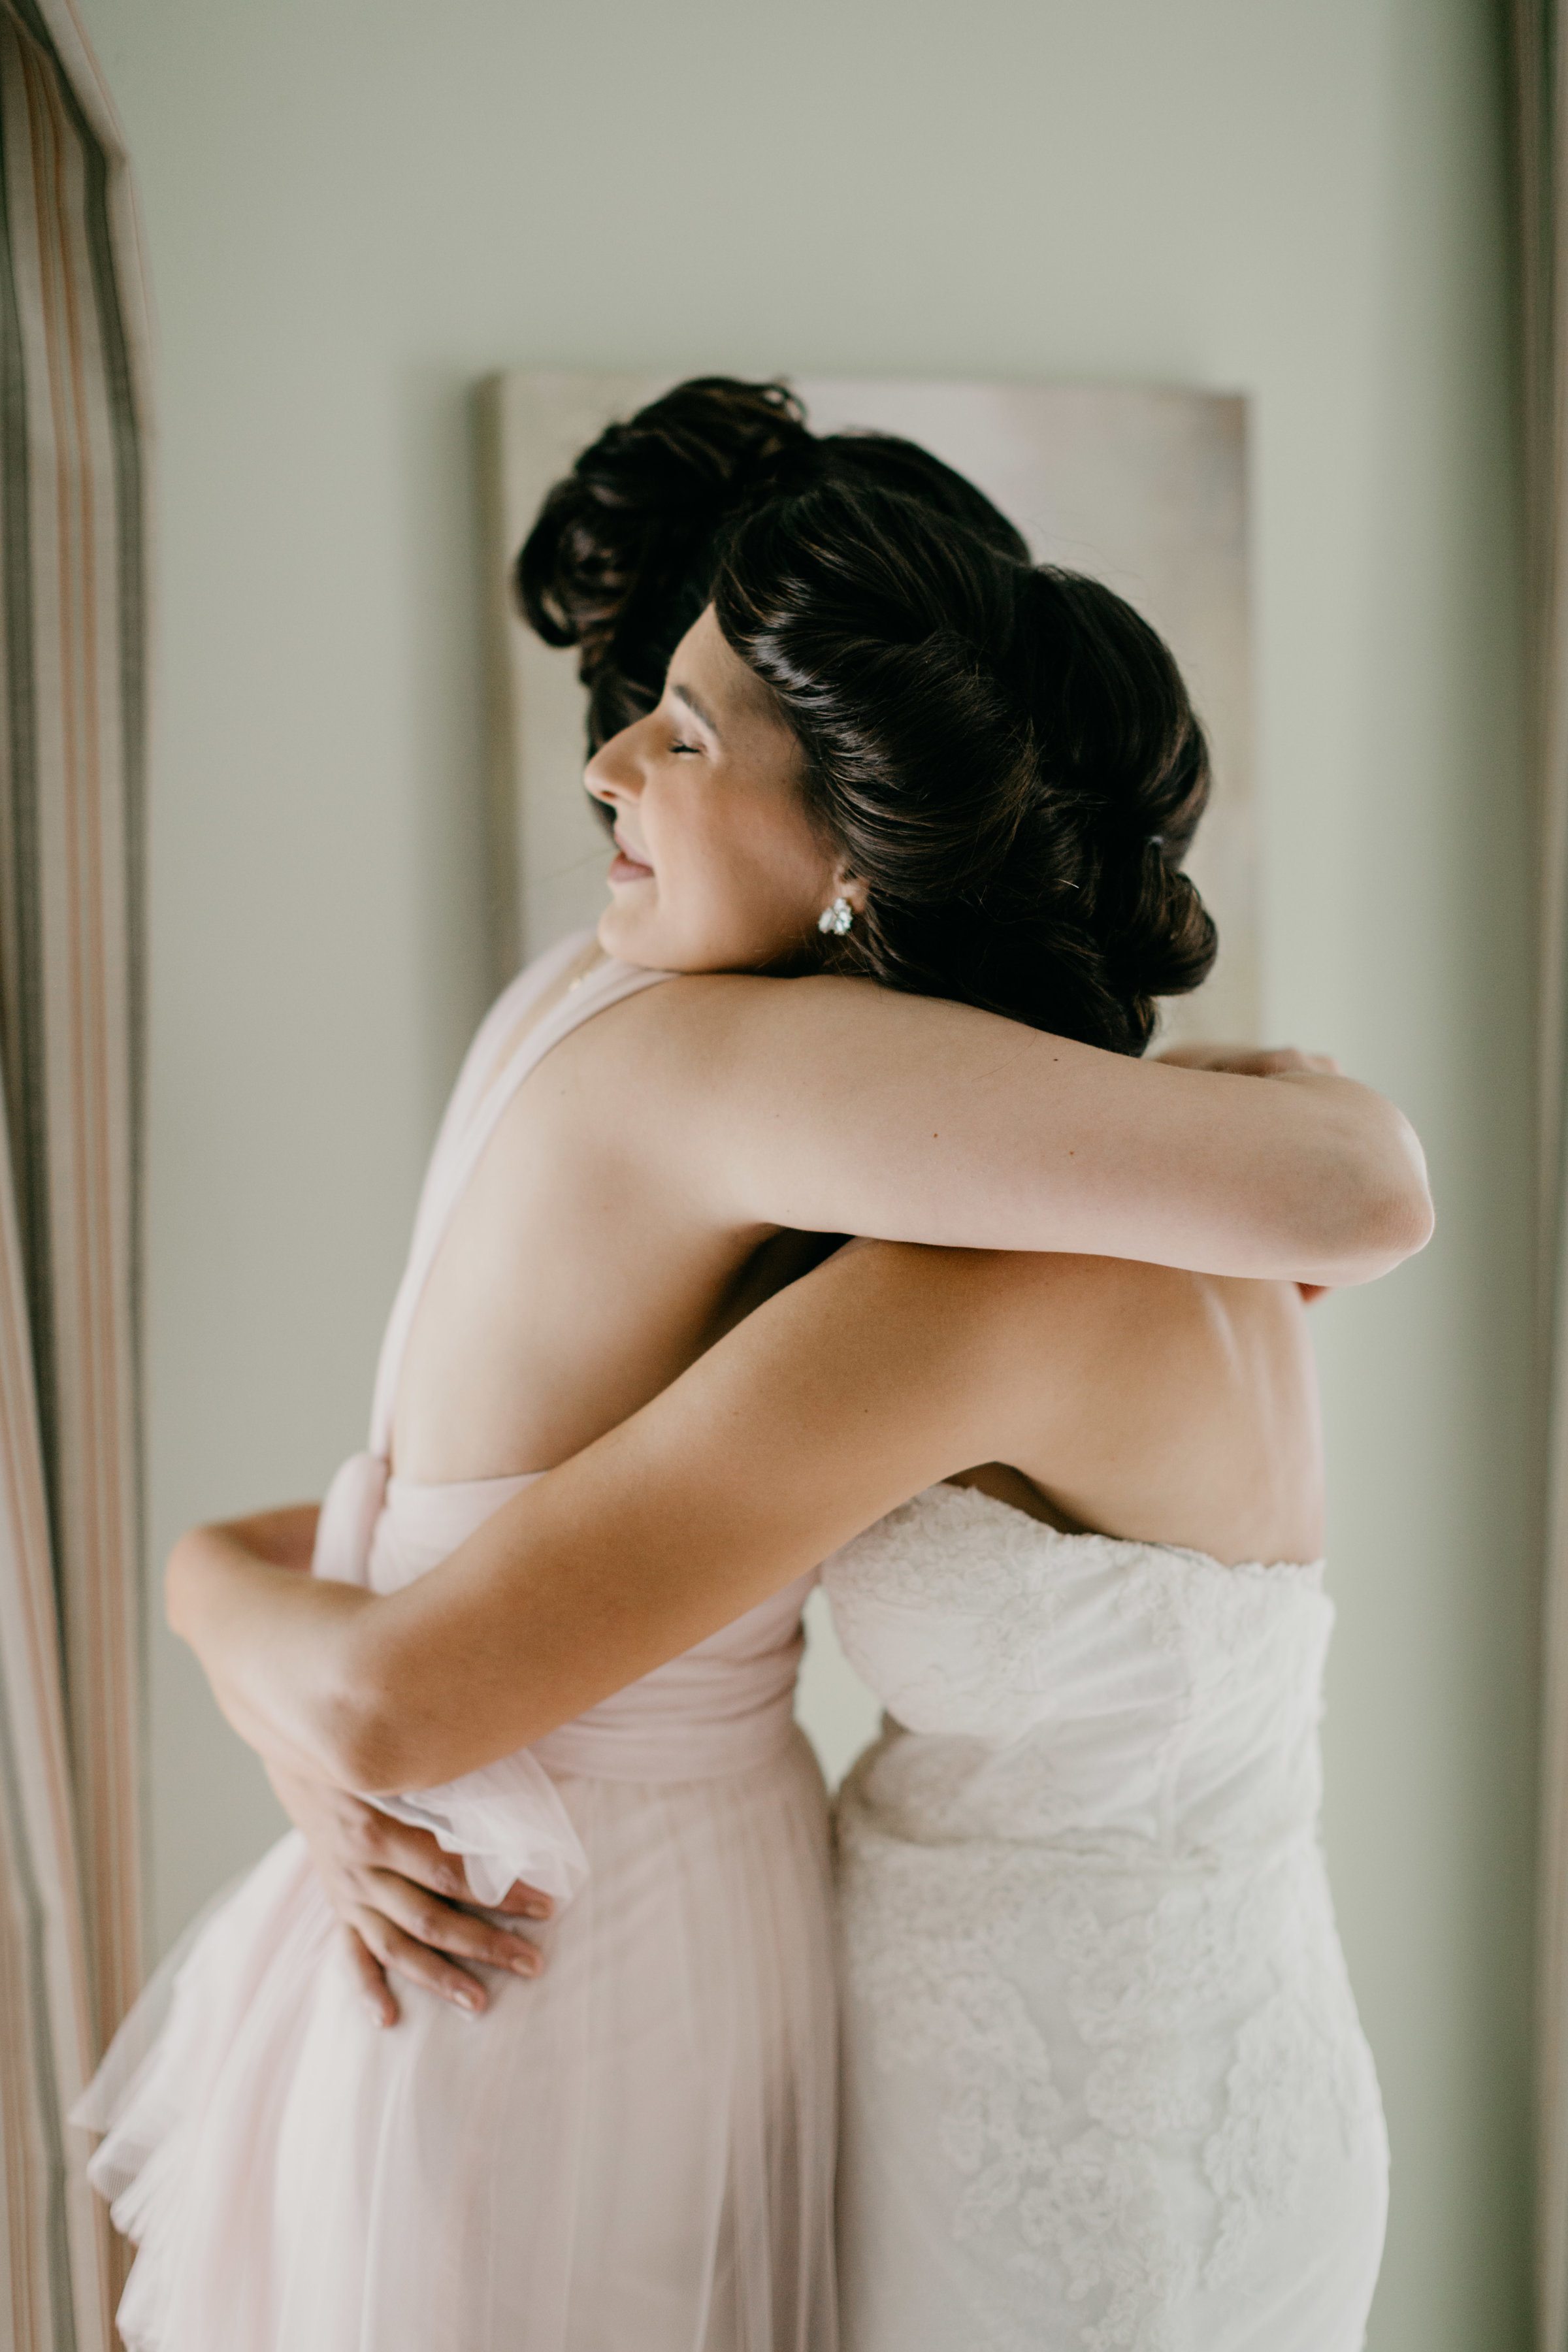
{"x":850,"y":887}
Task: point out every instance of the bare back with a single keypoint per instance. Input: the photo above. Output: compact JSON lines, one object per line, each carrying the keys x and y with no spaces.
{"x":649,"y":1181}
{"x":1172,"y":1408}
{"x":579,"y":1272}
{"x":587,"y":1266}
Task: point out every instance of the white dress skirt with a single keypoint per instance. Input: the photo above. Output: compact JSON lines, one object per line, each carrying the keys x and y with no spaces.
{"x":635,"y":2151}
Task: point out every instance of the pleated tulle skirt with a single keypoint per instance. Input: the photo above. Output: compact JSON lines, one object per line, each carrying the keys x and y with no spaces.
{"x":634,"y":2153}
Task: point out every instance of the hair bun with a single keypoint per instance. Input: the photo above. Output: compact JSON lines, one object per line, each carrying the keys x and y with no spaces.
{"x":1006,"y":759}
{"x":623,"y":555}
{"x":1117,"y":738}
{"x":618,"y":560}
{"x":1164,"y":943}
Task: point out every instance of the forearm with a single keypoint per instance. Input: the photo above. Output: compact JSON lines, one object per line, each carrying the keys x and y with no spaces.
{"x":759,"y":1461}
{"x":1300,"y":1178}
{"x":836,"y":1107}
{"x":275,"y":1645}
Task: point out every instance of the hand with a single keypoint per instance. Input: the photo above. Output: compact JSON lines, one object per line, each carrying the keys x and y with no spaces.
{"x":1251,"y":1061}
{"x":285,"y":1538}
{"x":402,"y":1900}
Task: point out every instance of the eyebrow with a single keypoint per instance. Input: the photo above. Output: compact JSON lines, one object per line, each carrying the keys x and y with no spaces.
{"x":684,"y":694}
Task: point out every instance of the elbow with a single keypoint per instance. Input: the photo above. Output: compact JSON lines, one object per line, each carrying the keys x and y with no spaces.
{"x":337,"y":1699}
{"x":359,"y":1717}
{"x":1392,"y":1229}
{"x":1391,"y":1214}
{"x":353,"y":1732}
{"x":1411,"y":1219}
{"x":183,"y":1582}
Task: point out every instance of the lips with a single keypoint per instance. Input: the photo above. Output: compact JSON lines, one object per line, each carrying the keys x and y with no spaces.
{"x":626,"y":866}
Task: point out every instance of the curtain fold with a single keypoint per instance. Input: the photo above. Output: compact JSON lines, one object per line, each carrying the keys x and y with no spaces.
{"x":74,"y":437}
{"x":1540,"y":109}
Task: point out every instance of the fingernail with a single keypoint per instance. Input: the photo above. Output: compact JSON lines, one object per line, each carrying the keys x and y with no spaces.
{"x":472,"y":2002}
{"x":538,"y":1910}
{"x":526,"y":1964}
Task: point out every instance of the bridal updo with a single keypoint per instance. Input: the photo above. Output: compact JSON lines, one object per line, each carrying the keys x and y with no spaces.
{"x":620,"y":561}
{"x":1005,"y":755}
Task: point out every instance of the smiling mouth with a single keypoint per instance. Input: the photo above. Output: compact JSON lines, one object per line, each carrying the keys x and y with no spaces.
{"x":625,"y":866}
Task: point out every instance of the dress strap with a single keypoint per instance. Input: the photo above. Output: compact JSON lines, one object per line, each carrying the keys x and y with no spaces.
{"x":471,"y":1118}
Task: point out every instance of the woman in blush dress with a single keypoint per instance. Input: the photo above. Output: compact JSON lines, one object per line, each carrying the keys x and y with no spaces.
{"x":637,"y":2146}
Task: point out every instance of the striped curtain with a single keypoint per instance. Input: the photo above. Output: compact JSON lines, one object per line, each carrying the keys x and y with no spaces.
{"x":1542,"y":121}
{"x":73,"y":494}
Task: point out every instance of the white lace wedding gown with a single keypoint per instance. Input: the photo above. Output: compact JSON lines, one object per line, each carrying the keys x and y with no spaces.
{"x":1104,"y":2082}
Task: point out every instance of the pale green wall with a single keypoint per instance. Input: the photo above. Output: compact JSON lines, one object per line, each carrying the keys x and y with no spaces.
{"x":356,"y":207}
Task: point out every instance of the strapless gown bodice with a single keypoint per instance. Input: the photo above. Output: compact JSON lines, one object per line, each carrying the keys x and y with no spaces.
{"x":1132,"y":1698}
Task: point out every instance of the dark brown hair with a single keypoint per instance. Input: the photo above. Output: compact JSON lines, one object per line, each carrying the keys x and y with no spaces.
{"x":621,"y":559}
{"x":1005,"y":756}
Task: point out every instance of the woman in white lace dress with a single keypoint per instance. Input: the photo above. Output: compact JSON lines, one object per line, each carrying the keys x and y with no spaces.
{"x":1005,"y":772}
{"x":1104,"y":2082}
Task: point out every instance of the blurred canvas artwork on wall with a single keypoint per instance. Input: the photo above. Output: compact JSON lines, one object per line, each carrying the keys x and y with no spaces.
{"x":1146,"y":489}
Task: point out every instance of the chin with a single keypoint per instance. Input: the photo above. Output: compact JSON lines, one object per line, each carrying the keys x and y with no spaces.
{"x":630,"y":939}
{"x":636,"y":934}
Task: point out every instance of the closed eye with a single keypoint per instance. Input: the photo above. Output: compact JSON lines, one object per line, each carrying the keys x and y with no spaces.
{"x":692,"y":748}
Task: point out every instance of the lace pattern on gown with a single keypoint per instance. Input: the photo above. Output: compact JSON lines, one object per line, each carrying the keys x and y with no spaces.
{"x":1087,"y":1944}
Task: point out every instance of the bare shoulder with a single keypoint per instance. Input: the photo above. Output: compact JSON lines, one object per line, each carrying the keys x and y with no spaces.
{"x":781,"y":1025}
{"x":694,"y":1023}
{"x":636,"y":1049}
{"x":710,"y":1065}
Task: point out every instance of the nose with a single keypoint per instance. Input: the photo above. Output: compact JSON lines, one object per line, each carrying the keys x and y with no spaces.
{"x":613,"y":774}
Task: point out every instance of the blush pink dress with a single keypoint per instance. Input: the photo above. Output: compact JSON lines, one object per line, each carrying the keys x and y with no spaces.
{"x":633,"y":2153}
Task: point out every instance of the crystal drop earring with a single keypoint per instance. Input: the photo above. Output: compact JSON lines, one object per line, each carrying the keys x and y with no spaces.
{"x":837,"y":917}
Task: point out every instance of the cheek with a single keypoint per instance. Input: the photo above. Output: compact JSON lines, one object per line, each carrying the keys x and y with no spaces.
{"x":728,"y":847}
{"x":776,"y":870}
{"x":741,"y":875}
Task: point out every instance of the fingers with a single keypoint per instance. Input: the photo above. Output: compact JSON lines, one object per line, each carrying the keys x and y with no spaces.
{"x":1251,"y":1061}
{"x":464,"y":1933}
{"x":1267,"y":1061}
{"x":370,"y":1979}
{"x":1276,"y":1059}
{"x":423,"y":1965}
{"x":387,"y":1844}
{"x":524,"y":1902}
